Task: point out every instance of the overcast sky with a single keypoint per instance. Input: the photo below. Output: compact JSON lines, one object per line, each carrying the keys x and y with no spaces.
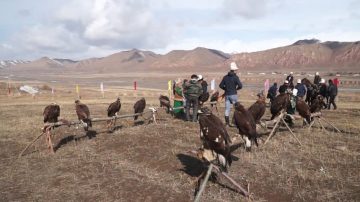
{"x":78,"y":29}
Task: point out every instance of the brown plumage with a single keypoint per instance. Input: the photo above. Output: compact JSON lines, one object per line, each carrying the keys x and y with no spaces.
{"x":215,"y":96}
{"x":303,"y":109}
{"x":51,"y":113}
{"x":139,"y":107}
{"x":83,"y":114}
{"x":245,"y":123}
{"x":318,"y":104}
{"x":257,"y":110}
{"x":114,"y":108}
{"x":204,"y":97}
{"x":215,"y":137}
{"x":280,"y":102}
{"x":165,"y":102}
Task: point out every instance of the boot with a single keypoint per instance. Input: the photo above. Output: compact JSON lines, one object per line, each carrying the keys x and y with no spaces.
{"x":227,"y":122}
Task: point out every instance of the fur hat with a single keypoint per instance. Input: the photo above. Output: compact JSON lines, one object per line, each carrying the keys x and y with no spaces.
{"x":299,"y":81}
{"x":286,"y":81}
{"x":200,"y":77}
{"x":317,"y":73}
{"x":322,"y":81}
{"x":233,"y":66}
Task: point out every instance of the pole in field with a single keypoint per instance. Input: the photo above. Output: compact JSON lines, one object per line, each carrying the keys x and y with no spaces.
{"x":9,"y":88}
{"x":169,"y":88}
{"x":266,"y":86}
{"x":102,"y":89}
{"x":78,"y":91}
{"x":135,"y":85}
{"x":212,"y":85}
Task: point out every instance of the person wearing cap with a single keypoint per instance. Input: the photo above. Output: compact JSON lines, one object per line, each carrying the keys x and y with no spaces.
{"x":230,"y":84}
{"x":290,"y":78}
{"x":317,"y":78}
{"x":203,"y":83}
{"x":323,"y":90}
{"x":301,"y":89}
{"x":332,"y":92}
{"x":272,"y":92}
{"x":192,"y":92}
{"x":283,"y":88}
{"x":291,"y":107}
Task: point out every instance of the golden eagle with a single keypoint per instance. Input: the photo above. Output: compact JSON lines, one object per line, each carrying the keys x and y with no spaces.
{"x":139,"y":107}
{"x":114,"y":108}
{"x":83,"y":114}
{"x":216,"y":140}
{"x":51,"y":113}
{"x":245,"y":122}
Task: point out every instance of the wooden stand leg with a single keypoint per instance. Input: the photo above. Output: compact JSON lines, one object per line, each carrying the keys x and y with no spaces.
{"x":312,"y":123}
{"x":202,"y":187}
{"x":48,"y":134}
{"x":272,"y":132}
{"x":291,"y":131}
{"x":331,"y":125}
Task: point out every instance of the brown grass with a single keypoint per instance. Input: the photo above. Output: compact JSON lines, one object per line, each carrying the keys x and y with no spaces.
{"x":148,"y":162}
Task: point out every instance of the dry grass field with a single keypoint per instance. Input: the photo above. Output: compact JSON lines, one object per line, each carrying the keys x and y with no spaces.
{"x":149,"y":162}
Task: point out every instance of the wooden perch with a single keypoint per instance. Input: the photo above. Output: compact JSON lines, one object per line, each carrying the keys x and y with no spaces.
{"x":71,"y":123}
{"x":202,"y":187}
{"x":226,"y":176}
{"x":49,"y":126}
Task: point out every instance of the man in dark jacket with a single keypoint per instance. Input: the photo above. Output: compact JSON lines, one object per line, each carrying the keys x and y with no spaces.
{"x":290,"y":78}
{"x":332,"y":92}
{"x":283,"y":88}
{"x":192,"y":91}
{"x":301,"y":89}
{"x":230,"y":84}
{"x":323,"y":90}
{"x":317,"y":79}
{"x":272,"y":92}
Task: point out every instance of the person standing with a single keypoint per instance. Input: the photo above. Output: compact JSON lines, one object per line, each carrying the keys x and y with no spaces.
{"x":317,"y":79}
{"x":332,"y":92}
{"x":230,"y":84}
{"x":178,"y":99}
{"x":203,"y":83}
{"x":192,"y":91}
{"x":323,"y":91}
{"x":283,"y":88}
{"x":290,"y":78}
{"x":272,"y":92}
{"x":301,"y":89}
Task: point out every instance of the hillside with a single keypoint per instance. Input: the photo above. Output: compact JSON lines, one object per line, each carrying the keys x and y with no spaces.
{"x":301,"y":55}
{"x":304,"y":54}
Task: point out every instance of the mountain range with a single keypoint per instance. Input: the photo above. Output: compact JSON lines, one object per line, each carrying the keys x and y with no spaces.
{"x":301,"y":55}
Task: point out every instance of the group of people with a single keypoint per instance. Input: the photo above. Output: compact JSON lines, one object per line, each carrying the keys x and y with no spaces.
{"x":329,"y":92}
{"x":187,"y":93}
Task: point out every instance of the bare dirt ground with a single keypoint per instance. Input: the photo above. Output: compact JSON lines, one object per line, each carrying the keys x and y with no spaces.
{"x":148,"y":162}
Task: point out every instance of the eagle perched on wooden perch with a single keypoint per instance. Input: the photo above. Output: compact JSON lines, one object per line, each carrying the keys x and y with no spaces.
{"x":83,"y":114}
{"x":51,"y":113}
{"x":216,"y":140}
{"x":281,"y":102}
{"x":303,"y":110}
{"x":257,"y":110}
{"x":139,"y":107}
{"x":165,"y":102}
{"x":245,"y":122}
{"x":114,"y":108}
